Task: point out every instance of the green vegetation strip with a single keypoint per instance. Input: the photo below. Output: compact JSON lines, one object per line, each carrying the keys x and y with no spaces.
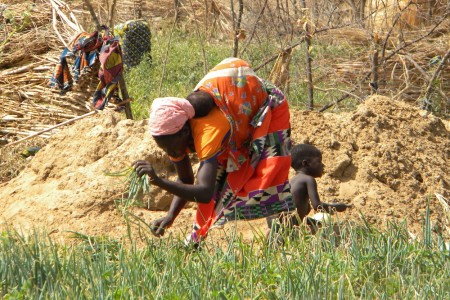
{"x":177,"y":73}
{"x":359,"y":262}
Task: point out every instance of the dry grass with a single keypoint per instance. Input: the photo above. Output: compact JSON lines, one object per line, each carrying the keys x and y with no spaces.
{"x":11,"y":160}
{"x":25,"y":28}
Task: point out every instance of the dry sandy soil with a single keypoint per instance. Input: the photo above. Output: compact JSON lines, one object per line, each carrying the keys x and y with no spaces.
{"x":387,"y":158}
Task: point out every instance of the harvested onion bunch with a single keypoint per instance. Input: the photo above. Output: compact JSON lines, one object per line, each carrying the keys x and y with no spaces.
{"x":136,"y":186}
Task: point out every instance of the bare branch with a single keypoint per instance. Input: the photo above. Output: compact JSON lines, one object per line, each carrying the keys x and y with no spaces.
{"x":343,"y":97}
{"x":327,"y":106}
{"x":374,"y":83}
{"x":197,"y":31}
{"x":339,"y":90}
{"x":254,"y":28}
{"x":418,"y":39}
{"x":111,"y":16}
{"x":406,"y":72}
{"x":343,"y":25}
{"x":165,"y":58}
{"x":267,"y":61}
{"x":397,"y":18}
{"x":419,"y":68}
{"x":93,"y":15}
{"x":237,"y":28}
{"x":56,"y":28}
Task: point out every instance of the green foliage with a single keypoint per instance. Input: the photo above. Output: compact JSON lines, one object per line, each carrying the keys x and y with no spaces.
{"x":175,"y":74}
{"x":358,"y":262}
{"x":177,"y":64}
{"x":23,"y":22}
{"x":137,"y":186}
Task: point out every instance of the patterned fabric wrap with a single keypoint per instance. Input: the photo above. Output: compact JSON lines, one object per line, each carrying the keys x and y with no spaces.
{"x":135,"y":39}
{"x":111,"y":68}
{"x":253,"y":181}
{"x":84,"y":48}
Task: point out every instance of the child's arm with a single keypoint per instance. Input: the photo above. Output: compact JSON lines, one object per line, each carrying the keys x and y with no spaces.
{"x":300,"y":195}
{"x":339,"y":207}
{"x":313,"y":194}
{"x":315,"y":199}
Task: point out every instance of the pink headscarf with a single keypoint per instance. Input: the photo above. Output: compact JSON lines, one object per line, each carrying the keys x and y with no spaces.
{"x":168,"y":115}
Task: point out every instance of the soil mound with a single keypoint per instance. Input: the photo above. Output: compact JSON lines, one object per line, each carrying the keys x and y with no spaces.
{"x":65,"y":187}
{"x":386,"y":158}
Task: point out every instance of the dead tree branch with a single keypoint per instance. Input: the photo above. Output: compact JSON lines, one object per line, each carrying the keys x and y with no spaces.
{"x":343,"y":97}
{"x":406,"y":72}
{"x":237,"y":26}
{"x":254,"y":28}
{"x":374,"y":83}
{"x":339,"y":90}
{"x":112,"y":15}
{"x":347,"y":94}
{"x":424,"y":74}
{"x":309,"y":70}
{"x":269,"y":60}
{"x":418,"y":39}
{"x":166,"y":57}
{"x":200,"y":41}
{"x":93,"y":15}
{"x":397,"y":18}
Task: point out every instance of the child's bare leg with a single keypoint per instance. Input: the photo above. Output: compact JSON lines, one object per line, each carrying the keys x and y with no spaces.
{"x":274,"y":223}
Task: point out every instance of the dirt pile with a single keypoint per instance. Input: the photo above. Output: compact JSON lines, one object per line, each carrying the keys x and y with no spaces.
{"x":65,"y":186}
{"x":385,"y":158}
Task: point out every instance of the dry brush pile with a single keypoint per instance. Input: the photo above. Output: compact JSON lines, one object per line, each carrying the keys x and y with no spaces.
{"x":29,"y":55}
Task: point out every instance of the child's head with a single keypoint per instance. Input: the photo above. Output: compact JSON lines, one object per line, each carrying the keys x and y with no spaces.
{"x":307,"y":158}
{"x":202,"y":102}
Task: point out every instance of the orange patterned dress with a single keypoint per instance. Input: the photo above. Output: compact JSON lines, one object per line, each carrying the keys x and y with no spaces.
{"x":249,"y":134}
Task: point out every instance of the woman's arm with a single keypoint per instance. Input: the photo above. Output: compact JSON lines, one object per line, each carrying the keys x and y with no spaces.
{"x":201,"y":192}
{"x":186,"y":176}
{"x":183,"y":187}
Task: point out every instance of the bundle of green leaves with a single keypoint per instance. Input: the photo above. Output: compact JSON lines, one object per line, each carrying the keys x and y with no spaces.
{"x":137,"y":186}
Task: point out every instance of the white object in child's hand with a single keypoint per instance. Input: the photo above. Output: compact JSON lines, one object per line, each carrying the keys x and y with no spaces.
{"x":322,"y":217}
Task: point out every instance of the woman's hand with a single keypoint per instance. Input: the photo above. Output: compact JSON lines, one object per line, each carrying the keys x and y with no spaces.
{"x":159,"y":226}
{"x":143,"y":167}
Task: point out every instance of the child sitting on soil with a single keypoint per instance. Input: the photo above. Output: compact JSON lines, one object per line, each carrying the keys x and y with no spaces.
{"x":307,"y":163}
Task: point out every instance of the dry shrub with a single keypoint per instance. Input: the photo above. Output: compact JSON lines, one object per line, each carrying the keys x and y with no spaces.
{"x":26,"y":29}
{"x":12,"y":162}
